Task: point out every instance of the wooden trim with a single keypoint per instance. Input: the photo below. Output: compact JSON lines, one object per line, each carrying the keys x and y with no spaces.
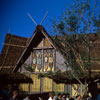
{"x":43,"y":48}
{"x":41,"y":85}
{"x":36,"y":73}
{"x":94,"y":70}
{"x":48,"y":39}
{"x":43,"y":55}
{"x":65,"y":88}
{"x":41,"y":79}
{"x":35,"y":92}
{"x":53,"y":86}
{"x":55,"y":60}
{"x":14,"y":45}
{"x":70,"y":90}
{"x":29,"y":88}
{"x":24,"y":51}
{"x":6,"y":66}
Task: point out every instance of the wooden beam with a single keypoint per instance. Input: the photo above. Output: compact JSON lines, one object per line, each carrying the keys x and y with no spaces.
{"x":14,"y":45}
{"x":43,"y":48}
{"x":6,"y":66}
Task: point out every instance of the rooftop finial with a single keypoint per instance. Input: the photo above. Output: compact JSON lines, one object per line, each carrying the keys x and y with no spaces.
{"x":44,"y":17}
{"x":32,"y":19}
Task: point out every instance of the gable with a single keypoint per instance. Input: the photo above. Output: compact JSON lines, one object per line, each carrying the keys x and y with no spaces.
{"x":45,"y":44}
{"x":39,"y":39}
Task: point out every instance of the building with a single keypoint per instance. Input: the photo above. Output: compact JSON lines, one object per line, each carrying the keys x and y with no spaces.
{"x":37,"y":54}
{"x":40,"y":53}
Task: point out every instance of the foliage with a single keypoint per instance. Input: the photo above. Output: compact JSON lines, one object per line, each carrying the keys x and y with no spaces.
{"x":96,"y":21}
{"x":28,"y":68}
{"x":74,"y":39}
{"x":79,"y":18}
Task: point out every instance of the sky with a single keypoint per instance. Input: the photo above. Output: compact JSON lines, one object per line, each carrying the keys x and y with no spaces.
{"x":14,"y":18}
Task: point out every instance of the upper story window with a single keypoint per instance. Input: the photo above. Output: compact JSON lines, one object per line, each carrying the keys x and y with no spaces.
{"x":43,"y":60}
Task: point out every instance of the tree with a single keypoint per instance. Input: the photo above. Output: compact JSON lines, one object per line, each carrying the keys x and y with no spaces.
{"x":75,"y":40}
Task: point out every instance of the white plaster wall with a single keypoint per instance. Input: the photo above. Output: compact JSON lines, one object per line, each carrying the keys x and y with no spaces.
{"x":27,"y":62}
{"x":60,"y":62}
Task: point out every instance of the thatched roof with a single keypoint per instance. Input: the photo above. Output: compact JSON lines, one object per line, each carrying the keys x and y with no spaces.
{"x":94,"y":40}
{"x":12,"y":50}
{"x":14,"y":78}
{"x":94,"y":50}
{"x":17,"y":45}
{"x":17,"y":52}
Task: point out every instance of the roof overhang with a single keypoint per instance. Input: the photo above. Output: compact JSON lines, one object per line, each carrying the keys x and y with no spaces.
{"x":14,"y":78}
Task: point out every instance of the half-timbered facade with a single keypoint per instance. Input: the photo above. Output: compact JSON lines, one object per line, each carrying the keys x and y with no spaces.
{"x":41,"y":54}
{"x":38,"y":54}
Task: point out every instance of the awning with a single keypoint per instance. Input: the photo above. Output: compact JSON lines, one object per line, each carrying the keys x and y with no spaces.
{"x":67,"y":78}
{"x":14,"y":78}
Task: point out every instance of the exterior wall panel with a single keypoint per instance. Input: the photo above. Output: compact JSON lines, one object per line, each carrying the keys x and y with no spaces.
{"x":49,"y":60}
{"x":60,"y":62}
{"x":35,"y":87}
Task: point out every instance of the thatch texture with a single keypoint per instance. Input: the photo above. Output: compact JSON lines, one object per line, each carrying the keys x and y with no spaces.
{"x":14,"y":78}
{"x":12,"y":50}
{"x":14,"y":53}
{"x":79,"y":46}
